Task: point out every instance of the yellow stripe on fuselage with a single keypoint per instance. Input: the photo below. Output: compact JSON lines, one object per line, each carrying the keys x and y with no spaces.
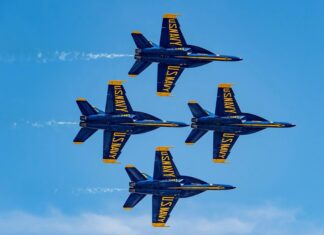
{"x":205,"y":58}
{"x":258,"y":125}
{"x":199,"y":187}
{"x":151,"y":124}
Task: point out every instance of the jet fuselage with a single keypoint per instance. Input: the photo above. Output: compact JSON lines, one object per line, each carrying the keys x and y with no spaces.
{"x":235,"y":124}
{"x":183,"y":187}
{"x":136,"y":123}
{"x":186,"y":57}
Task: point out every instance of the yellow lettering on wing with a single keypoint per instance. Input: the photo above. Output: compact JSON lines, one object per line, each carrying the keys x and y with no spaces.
{"x":170,"y":76}
{"x":226,"y":142}
{"x":167,"y":168}
{"x":119,"y":99}
{"x":174,"y":34}
{"x":229,"y":106}
{"x":116,"y":142}
{"x":165,"y":205}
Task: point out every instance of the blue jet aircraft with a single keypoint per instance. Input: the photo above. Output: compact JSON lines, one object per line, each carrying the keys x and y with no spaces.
{"x":228,"y":123}
{"x":166,"y":186}
{"x":118,"y":122}
{"x":173,"y":55}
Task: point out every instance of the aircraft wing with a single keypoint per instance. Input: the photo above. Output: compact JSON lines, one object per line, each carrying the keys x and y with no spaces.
{"x":164,"y":167}
{"x":161,"y":209}
{"x":171,"y":35}
{"x":226,"y":104}
{"x":167,"y":78}
{"x":138,"y":67}
{"x":223,"y":143}
{"x":113,"y":143}
{"x":117,"y":102}
{"x":195,"y":135}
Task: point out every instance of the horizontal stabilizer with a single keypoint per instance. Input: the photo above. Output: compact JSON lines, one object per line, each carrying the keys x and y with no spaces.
{"x":195,"y":135}
{"x":134,"y":174}
{"x":83,"y":135}
{"x":133,"y":200}
{"x":196,"y":110}
{"x":138,"y":67}
{"x":140,"y":41}
{"x":86,"y":108}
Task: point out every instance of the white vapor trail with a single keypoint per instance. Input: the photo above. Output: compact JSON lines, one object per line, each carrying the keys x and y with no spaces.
{"x":50,"y":123}
{"x":96,"y":190}
{"x":60,"y":56}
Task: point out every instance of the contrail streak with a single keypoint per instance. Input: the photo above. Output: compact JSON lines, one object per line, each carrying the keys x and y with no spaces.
{"x":60,"y":56}
{"x":50,"y":123}
{"x":96,"y":190}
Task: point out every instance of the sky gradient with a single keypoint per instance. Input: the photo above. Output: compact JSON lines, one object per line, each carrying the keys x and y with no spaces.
{"x":52,"y":52}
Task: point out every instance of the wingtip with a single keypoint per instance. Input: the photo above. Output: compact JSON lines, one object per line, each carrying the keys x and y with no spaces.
{"x":110,"y":161}
{"x":189,"y":143}
{"x":158,"y":225}
{"x":163,"y":93}
{"x":225,"y":85}
{"x":127,"y":208}
{"x":78,"y":142}
{"x":192,"y":102}
{"x":136,"y":32}
{"x":132,"y":75}
{"x":163,"y":148}
{"x":81,"y":99}
{"x":115,"y":82}
{"x":129,"y":166}
{"x":219,"y":160}
{"x":170,"y":16}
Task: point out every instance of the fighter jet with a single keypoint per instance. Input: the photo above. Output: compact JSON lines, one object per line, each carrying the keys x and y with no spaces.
{"x":173,"y":55}
{"x":166,"y":186}
{"x":228,"y":123}
{"x":119,"y":121}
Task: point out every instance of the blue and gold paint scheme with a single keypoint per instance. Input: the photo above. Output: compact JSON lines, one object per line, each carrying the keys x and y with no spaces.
{"x":173,"y":55}
{"x":228,"y":123}
{"x":118,"y":122}
{"x":166,"y":186}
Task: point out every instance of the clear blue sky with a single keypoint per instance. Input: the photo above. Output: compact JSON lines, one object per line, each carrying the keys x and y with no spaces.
{"x":278,"y":173}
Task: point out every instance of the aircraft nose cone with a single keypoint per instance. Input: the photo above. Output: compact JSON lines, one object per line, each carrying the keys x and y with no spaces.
{"x":289,"y":125}
{"x":231,"y":187}
{"x":237,"y":58}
